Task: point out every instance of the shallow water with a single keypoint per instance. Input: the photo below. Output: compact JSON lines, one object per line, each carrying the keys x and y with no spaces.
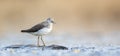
{"x":72,"y":51}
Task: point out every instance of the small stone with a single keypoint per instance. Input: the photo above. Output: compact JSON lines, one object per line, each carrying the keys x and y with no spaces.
{"x":76,"y":51}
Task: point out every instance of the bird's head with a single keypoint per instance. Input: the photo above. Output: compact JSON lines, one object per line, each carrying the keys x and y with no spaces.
{"x":50,"y":20}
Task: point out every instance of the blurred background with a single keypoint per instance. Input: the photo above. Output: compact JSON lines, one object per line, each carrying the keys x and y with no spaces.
{"x":77,"y":21}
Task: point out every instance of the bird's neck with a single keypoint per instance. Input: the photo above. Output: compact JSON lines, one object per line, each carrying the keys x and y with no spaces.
{"x":50,"y":25}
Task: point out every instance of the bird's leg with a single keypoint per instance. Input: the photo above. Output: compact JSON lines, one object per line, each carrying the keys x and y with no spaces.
{"x":38,"y":41}
{"x":42,"y":41}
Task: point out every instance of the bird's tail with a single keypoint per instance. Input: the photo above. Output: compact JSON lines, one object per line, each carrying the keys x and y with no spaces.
{"x":23,"y":31}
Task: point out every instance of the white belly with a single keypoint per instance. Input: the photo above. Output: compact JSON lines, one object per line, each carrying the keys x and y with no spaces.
{"x":43,"y":31}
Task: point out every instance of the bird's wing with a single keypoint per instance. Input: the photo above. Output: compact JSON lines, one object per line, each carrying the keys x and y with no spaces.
{"x":36,"y":27}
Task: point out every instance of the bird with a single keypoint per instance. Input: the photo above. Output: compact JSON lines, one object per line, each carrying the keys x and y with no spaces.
{"x":41,"y":29}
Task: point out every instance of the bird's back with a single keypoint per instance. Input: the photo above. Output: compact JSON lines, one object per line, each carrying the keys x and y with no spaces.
{"x":37,"y":27}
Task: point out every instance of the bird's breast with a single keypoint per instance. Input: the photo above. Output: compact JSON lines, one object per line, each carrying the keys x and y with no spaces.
{"x":43,"y":31}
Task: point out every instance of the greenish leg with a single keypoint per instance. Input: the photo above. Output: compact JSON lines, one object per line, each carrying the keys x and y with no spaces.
{"x":43,"y":41}
{"x":38,"y":41}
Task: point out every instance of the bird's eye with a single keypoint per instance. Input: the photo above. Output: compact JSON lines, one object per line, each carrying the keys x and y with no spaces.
{"x":53,"y":22}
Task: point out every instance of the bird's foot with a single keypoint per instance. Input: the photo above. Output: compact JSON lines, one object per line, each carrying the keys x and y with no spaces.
{"x":44,"y":45}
